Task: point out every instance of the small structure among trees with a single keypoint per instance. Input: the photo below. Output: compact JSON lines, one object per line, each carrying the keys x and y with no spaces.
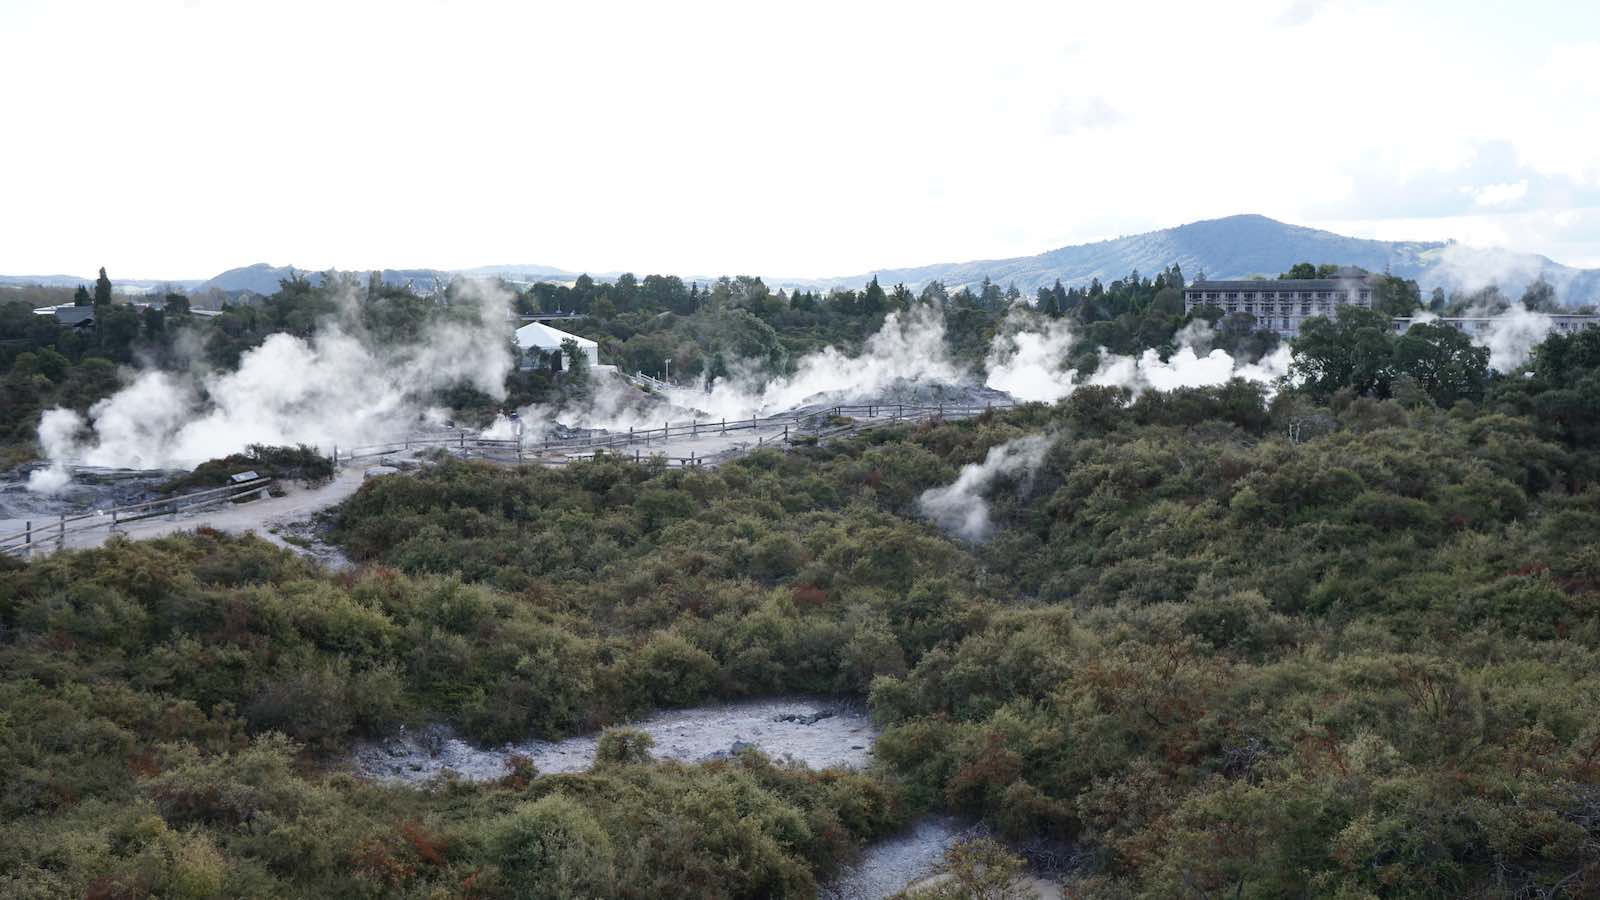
{"x":538,"y":341}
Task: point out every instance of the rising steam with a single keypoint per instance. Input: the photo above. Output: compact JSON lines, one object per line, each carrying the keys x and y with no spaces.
{"x":336,"y":387}
{"x":909,"y":348}
{"x":961,"y":508}
{"x":1512,"y":335}
{"x":1027,"y":360}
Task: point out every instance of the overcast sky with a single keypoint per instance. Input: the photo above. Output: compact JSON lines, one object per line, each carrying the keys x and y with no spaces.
{"x":174,"y":140}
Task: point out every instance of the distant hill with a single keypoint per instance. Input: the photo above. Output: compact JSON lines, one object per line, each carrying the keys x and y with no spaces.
{"x":1233,"y":247}
{"x":126,"y":285}
{"x":263,"y":278}
{"x":1245,"y":246}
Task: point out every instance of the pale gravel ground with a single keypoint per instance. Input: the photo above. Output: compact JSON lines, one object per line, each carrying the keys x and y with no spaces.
{"x":261,"y":517}
{"x":894,"y":863}
{"x":843,"y":739}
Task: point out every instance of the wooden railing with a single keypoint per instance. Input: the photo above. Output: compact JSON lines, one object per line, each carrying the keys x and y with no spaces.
{"x":891,"y":412}
{"x":55,"y":530}
{"x":813,"y":423}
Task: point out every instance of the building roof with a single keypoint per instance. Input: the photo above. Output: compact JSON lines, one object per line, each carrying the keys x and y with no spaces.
{"x":539,"y":336}
{"x":1340,"y":281}
{"x":1277,"y":284}
{"x":74,"y":315}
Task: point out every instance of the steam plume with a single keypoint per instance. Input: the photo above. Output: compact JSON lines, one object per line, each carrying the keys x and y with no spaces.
{"x":961,"y":508}
{"x":336,"y":387}
{"x":1512,"y":335}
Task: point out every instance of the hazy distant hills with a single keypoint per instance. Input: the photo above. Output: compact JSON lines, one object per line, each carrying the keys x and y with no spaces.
{"x":1234,"y":247}
{"x":1243,"y":246}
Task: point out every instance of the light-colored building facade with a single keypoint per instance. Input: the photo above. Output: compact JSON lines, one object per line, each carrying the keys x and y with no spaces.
{"x":1283,"y":304}
{"x":1476,"y":325}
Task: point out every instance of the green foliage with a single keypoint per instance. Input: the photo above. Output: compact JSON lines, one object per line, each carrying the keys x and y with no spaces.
{"x":1344,"y":643}
{"x":552,"y":848}
{"x":1358,"y":351}
{"x":302,"y":463}
{"x":623,"y":747}
{"x":173,"y":711}
{"x":976,"y":869}
{"x":102,"y":289}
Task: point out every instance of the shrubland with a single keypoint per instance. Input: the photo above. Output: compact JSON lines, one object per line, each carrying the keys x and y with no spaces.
{"x":1343,"y":641}
{"x":172,"y":711}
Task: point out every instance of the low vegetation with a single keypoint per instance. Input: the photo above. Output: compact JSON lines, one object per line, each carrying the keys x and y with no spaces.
{"x":303,"y":464}
{"x":1343,"y":642}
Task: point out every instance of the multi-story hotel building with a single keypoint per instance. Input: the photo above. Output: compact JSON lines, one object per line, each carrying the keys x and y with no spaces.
{"x":1282,"y":305}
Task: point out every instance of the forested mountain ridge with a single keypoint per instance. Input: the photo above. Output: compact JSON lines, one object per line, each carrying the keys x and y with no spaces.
{"x":1246,"y":245}
{"x":1232,"y":247}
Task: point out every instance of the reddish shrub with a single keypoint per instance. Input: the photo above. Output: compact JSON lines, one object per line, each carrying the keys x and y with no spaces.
{"x":809,"y":595}
{"x":429,"y":847}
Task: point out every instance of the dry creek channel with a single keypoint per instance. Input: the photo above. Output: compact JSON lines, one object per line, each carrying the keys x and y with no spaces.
{"x":818,"y":733}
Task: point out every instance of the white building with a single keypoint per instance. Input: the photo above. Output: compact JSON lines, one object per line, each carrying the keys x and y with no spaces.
{"x":1282,"y":305}
{"x":537,"y":336}
{"x":1560,"y":323}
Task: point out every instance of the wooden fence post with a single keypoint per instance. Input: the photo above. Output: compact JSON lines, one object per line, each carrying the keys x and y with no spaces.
{"x":61,"y":534}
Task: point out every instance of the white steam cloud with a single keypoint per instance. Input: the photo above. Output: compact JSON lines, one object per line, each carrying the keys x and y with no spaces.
{"x":908,"y":357}
{"x":1027,"y":360}
{"x":334,"y":388}
{"x":961,"y":508}
{"x":1512,"y":336}
{"x":909,"y":348}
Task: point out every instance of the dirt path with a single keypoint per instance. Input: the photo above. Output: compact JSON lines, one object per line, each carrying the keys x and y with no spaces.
{"x":270,"y":518}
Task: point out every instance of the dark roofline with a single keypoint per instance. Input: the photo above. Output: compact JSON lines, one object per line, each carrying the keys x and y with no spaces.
{"x":1276,"y":284}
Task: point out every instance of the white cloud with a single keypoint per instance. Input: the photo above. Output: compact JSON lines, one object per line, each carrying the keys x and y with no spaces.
{"x":1499,"y":194}
{"x":175,"y":139}
{"x":1073,"y":115}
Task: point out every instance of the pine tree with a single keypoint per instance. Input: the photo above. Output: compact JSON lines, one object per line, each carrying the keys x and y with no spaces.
{"x":102,"y":288}
{"x":82,"y":298}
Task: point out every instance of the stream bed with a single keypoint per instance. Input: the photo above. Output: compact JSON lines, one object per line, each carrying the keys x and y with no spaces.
{"x":892,"y":864}
{"x":819,"y":733}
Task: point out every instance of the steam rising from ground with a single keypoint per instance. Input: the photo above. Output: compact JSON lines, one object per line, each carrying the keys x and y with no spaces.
{"x":1027,"y":359}
{"x":961,"y":508}
{"x":910,"y":347}
{"x":336,"y":387}
{"x":1512,"y":336}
